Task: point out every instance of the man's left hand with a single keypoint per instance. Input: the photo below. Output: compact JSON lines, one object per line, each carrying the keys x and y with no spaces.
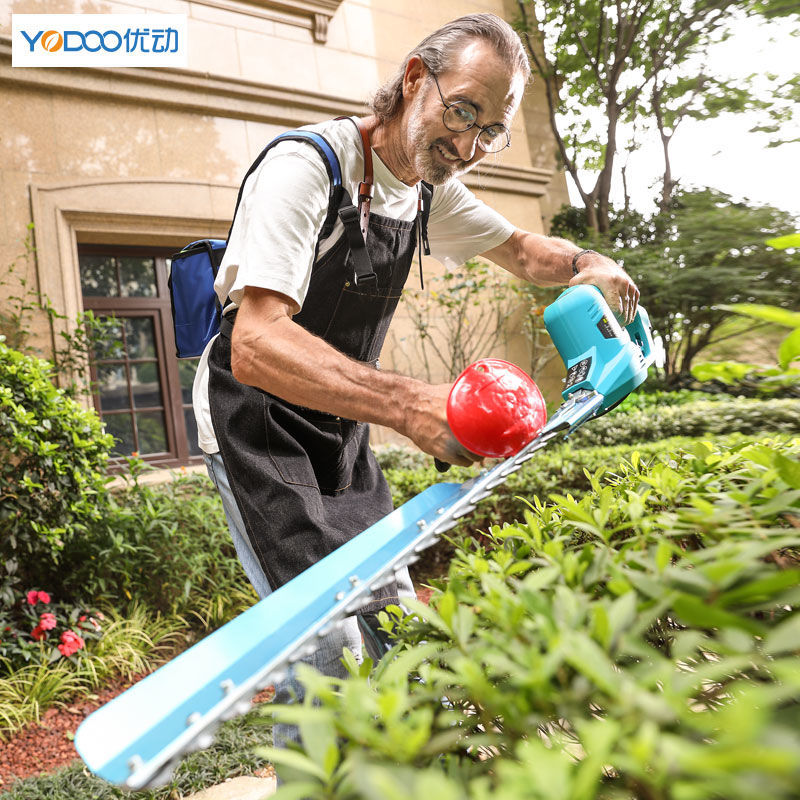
{"x":616,"y":285}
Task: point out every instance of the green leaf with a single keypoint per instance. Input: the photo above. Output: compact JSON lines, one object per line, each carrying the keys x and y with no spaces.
{"x":784,"y":637}
{"x":789,"y":349}
{"x":296,"y":790}
{"x":788,"y":469}
{"x":695,"y":612}
{"x":293,"y":760}
{"x":784,"y":242}
{"x":779,"y":316}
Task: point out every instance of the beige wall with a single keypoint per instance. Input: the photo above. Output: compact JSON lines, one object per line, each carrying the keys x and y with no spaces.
{"x":155,"y":156}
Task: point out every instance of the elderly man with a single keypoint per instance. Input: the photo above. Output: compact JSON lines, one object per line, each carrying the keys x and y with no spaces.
{"x":284,"y":395}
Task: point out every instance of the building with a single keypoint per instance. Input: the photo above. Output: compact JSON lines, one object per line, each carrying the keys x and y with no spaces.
{"x":118,"y":168}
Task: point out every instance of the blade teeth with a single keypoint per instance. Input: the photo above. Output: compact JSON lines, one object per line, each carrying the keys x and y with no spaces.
{"x":163,"y":776}
{"x":463,"y":511}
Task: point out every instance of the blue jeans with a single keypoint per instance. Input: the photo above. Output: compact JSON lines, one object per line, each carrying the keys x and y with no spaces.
{"x":327,"y":658}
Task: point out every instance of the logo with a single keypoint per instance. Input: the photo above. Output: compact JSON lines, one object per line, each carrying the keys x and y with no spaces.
{"x":99,"y":40}
{"x":52,"y":41}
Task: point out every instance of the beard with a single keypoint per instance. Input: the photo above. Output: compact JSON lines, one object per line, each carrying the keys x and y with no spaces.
{"x":426,"y":162}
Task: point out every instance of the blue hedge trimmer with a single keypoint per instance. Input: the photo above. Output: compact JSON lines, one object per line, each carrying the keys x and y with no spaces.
{"x":137,"y":739}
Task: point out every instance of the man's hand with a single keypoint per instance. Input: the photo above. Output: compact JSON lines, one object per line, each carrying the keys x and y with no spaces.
{"x":426,"y":425}
{"x":618,"y":289}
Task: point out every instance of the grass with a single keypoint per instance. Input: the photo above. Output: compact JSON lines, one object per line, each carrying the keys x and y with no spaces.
{"x":231,"y":755}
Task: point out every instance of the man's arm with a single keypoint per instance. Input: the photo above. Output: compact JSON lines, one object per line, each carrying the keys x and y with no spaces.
{"x":273,"y":353}
{"x":547,"y":261}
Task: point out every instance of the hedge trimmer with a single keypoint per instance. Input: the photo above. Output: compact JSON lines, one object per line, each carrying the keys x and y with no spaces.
{"x":137,"y":739}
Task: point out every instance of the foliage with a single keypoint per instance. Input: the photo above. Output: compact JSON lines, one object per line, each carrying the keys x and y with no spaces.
{"x":701,"y":418}
{"x":34,"y":628}
{"x":53,"y":455}
{"x":766,"y":379}
{"x":636,"y":61}
{"x":74,"y":342}
{"x":709,"y":254}
{"x":166,"y":546}
{"x":461,"y":316}
{"x":658,"y":398}
{"x":128,"y":646}
{"x":641,"y":642}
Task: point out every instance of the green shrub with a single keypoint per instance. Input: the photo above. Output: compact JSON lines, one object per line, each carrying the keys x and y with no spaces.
{"x":642,"y":642}
{"x":640,"y":400}
{"x":165,"y":546}
{"x":704,"y":418}
{"x":53,"y":455}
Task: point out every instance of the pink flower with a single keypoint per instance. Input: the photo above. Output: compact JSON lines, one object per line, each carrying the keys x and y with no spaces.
{"x":47,"y":622}
{"x":39,"y":633}
{"x":35,"y":597}
{"x":70,"y":643}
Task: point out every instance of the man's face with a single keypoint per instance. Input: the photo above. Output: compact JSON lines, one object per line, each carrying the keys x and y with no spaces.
{"x":480,"y":78}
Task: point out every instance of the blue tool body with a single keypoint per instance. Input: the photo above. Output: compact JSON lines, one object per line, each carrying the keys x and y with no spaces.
{"x":599,"y":354}
{"x":137,"y":739}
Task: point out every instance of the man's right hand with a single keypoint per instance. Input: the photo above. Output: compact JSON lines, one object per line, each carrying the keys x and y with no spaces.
{"x":425,"y":423}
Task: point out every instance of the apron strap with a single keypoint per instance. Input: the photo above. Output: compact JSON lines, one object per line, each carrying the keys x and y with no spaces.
{"x":366,"y":188}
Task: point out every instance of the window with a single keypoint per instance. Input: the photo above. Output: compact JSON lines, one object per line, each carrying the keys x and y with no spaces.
{"x":142,"y":391}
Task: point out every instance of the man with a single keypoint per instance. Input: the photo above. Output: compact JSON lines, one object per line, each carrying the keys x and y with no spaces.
{"x":282,"y":396}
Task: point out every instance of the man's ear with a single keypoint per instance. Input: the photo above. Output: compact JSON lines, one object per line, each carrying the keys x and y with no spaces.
{"x":414,"y":76}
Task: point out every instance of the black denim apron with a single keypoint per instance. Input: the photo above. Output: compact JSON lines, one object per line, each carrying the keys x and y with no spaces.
{"x":305,"y":481}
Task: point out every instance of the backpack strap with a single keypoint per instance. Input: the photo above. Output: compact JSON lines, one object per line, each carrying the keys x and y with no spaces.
{"x":339,"y":202}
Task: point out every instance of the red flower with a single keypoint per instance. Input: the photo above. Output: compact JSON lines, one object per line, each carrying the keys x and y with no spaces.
{"x":39,"y":633}
{"x":70,"y":643}
{"x":35,"y":597}
{"x":47,"y":622}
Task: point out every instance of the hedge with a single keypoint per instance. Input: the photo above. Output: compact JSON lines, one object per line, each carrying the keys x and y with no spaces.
{"x":641,"y":642}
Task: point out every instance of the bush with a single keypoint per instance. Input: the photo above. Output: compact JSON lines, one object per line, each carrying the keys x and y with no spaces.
{"x":53,"y":455}
{"x":705,"y":418}
{"x":165,"y":546}
{"x":642,"y":400}
{"x":639,"y":643}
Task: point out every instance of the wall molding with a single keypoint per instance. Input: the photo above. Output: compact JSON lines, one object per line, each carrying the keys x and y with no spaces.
{"x":314,"y":15}
{"x":68,"y":212}
{"x":191,"y":92}
{"x":183,"y":90}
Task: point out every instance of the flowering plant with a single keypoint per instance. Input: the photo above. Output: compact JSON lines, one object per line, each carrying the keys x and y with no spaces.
{"x":34,"y":627}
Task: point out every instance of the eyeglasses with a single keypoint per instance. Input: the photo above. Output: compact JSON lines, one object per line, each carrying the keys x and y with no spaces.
{"x":461,"y":116}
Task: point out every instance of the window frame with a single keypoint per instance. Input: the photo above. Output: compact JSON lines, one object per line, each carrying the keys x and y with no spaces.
{"x":158,"y":308}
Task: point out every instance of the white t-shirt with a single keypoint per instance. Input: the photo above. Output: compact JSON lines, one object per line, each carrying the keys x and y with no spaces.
{"x":283,"y":206}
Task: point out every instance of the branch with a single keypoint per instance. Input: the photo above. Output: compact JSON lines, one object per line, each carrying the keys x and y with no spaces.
{"x":552,"y":102}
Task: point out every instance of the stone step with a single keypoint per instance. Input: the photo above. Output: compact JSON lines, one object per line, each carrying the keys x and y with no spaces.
{"x":245,"y":787}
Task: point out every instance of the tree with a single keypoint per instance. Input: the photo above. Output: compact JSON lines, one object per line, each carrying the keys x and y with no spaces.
{"x":710,"y":252}
{"x":631,"y":59}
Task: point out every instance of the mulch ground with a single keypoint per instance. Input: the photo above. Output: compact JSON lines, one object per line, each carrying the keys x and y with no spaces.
{"x":43,"y":748}
{"x":47,"y":746}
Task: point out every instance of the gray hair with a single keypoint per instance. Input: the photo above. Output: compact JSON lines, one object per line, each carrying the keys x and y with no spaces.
{"x":439,"y":50}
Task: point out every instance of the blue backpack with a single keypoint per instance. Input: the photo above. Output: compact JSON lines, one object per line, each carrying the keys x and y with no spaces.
{"x":196,"y":310}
